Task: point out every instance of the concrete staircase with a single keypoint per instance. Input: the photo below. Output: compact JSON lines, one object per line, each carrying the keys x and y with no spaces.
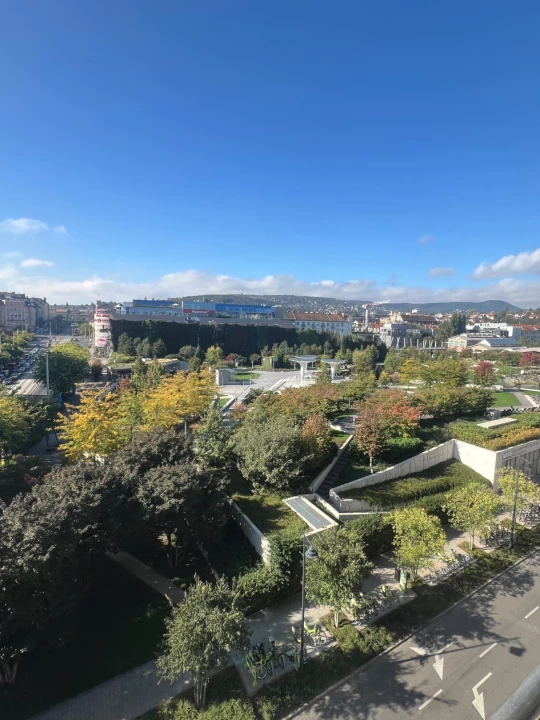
{"x":332,"y":479}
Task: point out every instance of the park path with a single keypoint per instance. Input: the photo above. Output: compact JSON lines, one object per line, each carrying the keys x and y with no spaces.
{"x":125,"y":697}
{"x":147,"y":575}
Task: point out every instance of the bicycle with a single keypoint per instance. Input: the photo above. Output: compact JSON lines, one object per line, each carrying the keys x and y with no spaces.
{"x":277,"y":655}
{"x":390,"y":595}
{"x":315,"y":634}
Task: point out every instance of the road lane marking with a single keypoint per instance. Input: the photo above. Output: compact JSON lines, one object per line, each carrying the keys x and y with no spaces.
{"x":438,"y":666}
{"x":488,"y":649}
{"x":430,"y":699}
{"x":528,"y":615}
{"x":478,"y":701}
{"x":445,"y":648}
{"x":418,"y":651}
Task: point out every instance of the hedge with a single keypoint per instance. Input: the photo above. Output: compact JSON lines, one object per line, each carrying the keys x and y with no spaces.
{"x":402,"y":448}
{"x":527,"y":428}
{"x":414,"y":488}
{"x":376,"y":532}
{"x":267,"y":584}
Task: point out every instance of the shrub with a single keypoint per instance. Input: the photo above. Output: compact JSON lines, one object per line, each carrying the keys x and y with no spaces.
{"x":514,"y":437}
{"x":529,"y":419}
{"x":376,"y":532}
{"x":401,"y":448}
{"x":415,"y":488}
{"x":472,"y":433}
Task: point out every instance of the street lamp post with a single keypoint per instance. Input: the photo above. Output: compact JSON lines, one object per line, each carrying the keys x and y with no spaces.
{"x":309,"y":554}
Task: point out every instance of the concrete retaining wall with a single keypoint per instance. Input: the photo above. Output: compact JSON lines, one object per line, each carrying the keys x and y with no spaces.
{"x":483,"y":461}
{"x":254,"y":535}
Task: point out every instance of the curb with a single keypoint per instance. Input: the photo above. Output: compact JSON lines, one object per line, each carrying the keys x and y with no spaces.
{"x":389,"y":649}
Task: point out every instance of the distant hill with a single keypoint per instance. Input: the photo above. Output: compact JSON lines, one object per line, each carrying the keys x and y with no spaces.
{"x":324,"y":304}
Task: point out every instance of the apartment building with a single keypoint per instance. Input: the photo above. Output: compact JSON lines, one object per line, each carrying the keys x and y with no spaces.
{"x":20,"y":312}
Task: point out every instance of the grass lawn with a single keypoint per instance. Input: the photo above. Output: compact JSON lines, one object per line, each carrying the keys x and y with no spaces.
{"x":246,"y":375}
{"x":438,"y":479}
{"x":268,"y":512}
{"x":118,"y":626}
{"x":355,"y":469}
{"x":505,"y":399}
{"x":339,"y":437}
{"x":223,"y":400}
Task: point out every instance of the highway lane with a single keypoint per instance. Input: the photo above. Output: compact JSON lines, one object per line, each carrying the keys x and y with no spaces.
{"x":464,"y":665}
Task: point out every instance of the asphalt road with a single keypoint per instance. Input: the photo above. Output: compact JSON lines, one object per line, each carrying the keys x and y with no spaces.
{"x":26,"y":384}
{"x":464,"y":665}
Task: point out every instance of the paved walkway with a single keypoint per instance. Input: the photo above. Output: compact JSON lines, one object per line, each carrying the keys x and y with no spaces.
{"x":125,"y":697}
{"x":150,"y":577}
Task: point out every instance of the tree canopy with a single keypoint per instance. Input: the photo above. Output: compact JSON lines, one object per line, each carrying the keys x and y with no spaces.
{"x":68,"y":364}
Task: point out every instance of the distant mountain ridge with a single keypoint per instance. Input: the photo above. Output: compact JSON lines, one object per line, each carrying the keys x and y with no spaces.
{"x":326,"y":304}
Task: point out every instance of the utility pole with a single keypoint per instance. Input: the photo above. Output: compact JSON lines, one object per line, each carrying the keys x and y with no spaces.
{"x":47,"y":373}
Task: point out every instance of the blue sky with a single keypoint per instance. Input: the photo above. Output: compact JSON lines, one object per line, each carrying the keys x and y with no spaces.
{"x":364,"y":150}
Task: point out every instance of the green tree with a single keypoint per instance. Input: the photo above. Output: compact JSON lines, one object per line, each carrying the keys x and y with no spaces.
{"x":17,"y":419}
{"x":391,"y":361}
{"x":484,"y":373}
{"x":194,"y":364}
{"x":318,"y":441}
{"x":201,"y":634}
{"x":323,"y":376}
{"x":159,"y":349}
{"x":527,"y":491}
{"x":187,"y":351}
{"x":417,"y":538}
{"x":254,"y":358}
{"x":214,"y":355}
{"x":358,"y":388}
{"x":472,"y":508}
{"x":455,"y":325}
{"x":181,"y":502}
{"x":130,"y":411}
{"x":213,"y":441}
{"x":369,"y":434}
{"x":451,"y":372}
{"x":269,"y":450}
{"x":125,"y":345}
{"x":68,"y":364}
{"x":96,"y":369}
{"x":138,"y":374}
{"x":90,"y":430}
{"x":340,"y":569}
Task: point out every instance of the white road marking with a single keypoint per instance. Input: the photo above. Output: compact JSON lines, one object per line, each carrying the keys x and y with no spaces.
{"x":445,"y":648}
{"x":418,"y":651}
{"x":528,"y":615}
{"x":430,"y":699}
{"x":438,"y":666}
{"x":487,"y":650}
{"x":478,"y":701}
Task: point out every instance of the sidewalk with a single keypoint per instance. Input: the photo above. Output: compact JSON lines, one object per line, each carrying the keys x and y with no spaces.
{"x":125,"y":697}
{"x":148,"y":575}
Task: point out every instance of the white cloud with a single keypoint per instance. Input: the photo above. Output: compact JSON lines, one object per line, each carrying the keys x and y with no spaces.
{"x":195,"y":282}
{"x":11,"y":255}
{"x":61,"y":229}
{"x":22,"y":226}
{"x":525,"y":262}
{"x":34,"y":262}
{"x":426,"y":239}
{"x":441,"y":272}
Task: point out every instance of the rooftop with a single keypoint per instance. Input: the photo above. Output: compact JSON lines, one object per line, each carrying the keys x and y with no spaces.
{"x":316,"y":316}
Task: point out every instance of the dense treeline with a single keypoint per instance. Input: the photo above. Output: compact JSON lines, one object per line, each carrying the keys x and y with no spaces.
{"x":243,"y":339}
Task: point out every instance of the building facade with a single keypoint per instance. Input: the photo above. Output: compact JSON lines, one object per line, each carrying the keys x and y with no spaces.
{"x":18,"y":312}
{"x":321,"y":322}
{"x":399,"y":334}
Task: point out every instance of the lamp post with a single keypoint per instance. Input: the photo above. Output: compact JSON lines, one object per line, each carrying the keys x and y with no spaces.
{"x":309,"y":554}
{"x":522,"y":462}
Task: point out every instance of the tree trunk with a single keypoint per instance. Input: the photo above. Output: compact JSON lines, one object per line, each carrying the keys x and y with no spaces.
{"x":8,"y":671}
{"x":371,"y":464}
{"x":336,"y":618}
{"x":169,"y":548}
{"x":471,"y":541}
{"x":200,"y":686}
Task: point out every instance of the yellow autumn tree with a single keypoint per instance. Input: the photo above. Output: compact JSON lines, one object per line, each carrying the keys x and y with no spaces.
{"x":178,"y":398}
{"x":90,"y":430}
